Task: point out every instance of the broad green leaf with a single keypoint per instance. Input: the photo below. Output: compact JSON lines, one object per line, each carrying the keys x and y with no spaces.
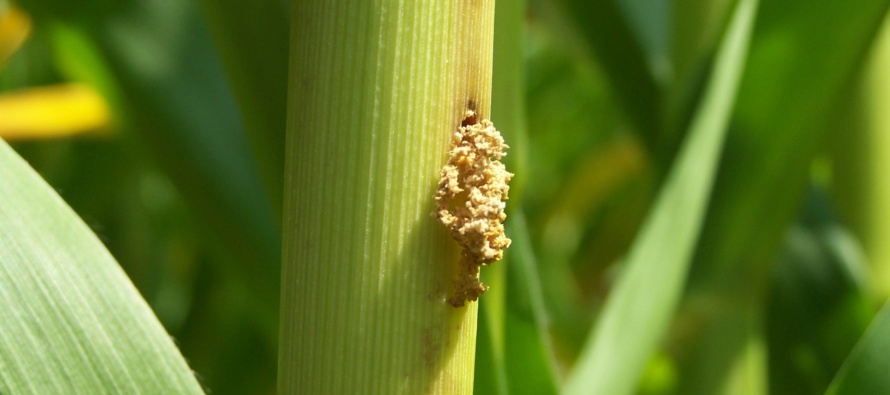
{"x":642,"y":302}
{"x":156,"y":64}
{"x":72,"y":320}
{"x":865,"y":371}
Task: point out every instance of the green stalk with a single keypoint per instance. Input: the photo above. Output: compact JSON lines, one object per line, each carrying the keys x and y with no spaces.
{"x":376,"y":90}
{"x":862,"y":160}
{"x":878,"y":157}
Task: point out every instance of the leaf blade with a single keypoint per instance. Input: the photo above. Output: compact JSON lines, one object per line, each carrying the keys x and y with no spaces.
{"x":529,"y":358}
{"x":639,"y":309}
{"x":79,"y":325}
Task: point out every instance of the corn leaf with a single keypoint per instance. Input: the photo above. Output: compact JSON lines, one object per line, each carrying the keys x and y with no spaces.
{"x":72,"y":320}
{"x":529,"y":359}
{"x":802,"y":56}
{"x":639,"y":308}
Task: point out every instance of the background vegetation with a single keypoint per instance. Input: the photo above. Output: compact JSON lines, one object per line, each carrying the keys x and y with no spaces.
{"x":161,"y":123}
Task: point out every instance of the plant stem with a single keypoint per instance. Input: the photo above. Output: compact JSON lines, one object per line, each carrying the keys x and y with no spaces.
{"x":376,"y":90}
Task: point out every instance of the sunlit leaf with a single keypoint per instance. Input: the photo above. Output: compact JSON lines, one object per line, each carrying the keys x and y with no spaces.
{"x":72,"y":321}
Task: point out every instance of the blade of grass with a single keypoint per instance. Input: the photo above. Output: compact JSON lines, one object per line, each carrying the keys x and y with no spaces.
{"x":865,"y":371}
{"x":72,"y":320}
{"x":639,"y":308}
{"x":508,"y":112}
{"x":697,"y":26}
{"x":776,"y":127}
{"x":529,"y":358}
{"x":802,"y":58}
{"x":514,"y":308}
{"x":490,"y":374}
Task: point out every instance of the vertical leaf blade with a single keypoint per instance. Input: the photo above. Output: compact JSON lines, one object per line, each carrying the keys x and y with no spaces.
{"x":802,"y":57}
{"x":638,"y":310}
{"x":529,"y":358}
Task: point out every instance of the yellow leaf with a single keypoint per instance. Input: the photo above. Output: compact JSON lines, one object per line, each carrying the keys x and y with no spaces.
{"x":50,"y":112}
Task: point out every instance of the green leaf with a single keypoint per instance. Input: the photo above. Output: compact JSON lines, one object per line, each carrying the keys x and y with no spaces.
{"x":865,"y":371}
{"x":640,"y":306}
{"x":803,"y":55}
{"x":72,"y":320}
{"x":801,"y":58}
{"x":696,"y":29}
{"x":490,"y":376}
{"x":529,"y":358}
{"x":513,"y":312}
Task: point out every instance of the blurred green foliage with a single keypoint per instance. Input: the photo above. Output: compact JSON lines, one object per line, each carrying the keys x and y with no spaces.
{"x":595,"y":98}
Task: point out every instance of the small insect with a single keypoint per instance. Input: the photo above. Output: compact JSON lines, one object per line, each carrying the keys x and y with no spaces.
{"x":470,"y":118}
